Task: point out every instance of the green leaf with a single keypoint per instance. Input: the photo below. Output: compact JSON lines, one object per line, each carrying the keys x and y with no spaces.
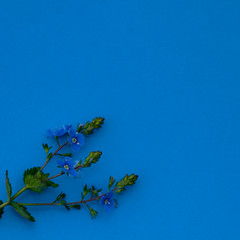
{"x":64,"y":203}
{"x":79,"y":163}
{"x":49,"y":156}
{"x":52,"y":184}
{"x":95,"y":192}
{"x":35,"y":180}
{"x":64,"y":154}
{"x":89,"y":127}
{"x":92,"y":211}
{"x":75,"y":206}
{"x":60,"y":197}
{"x":46,"y":148}
{"x":120,"y":190}
{"x":86,"y":190}
{"x":93,"y":157}
{"x":82,"y":196}
{"x":1,"y":209}
{"x":111,"y":182}
{"x":22,"y":211}
{"x":8,"y":186}
{"x":79,"y":127}
{"x":67,"y":207}
{"x":126,"y":181}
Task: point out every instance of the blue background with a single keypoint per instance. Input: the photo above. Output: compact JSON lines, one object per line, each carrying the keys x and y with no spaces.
{"x":164,"y":74}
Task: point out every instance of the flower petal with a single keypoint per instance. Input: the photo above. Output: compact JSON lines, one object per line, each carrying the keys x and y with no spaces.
{"x":73,"y":172}
{"x":109,"y":195}
{"x":102,"y":200}
{"x":112,"y":203}
{"x":60,"y":162}
{"x":72,"y":132}
{"x":75,"y":147}
{"x":69,"y":161}
{"x":60,"y":132}
{"x":66,"y":127}
{"x":50,"y":133}
{"x":81,"y":139}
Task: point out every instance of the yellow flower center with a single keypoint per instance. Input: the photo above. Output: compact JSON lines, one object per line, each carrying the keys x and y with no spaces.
{"x":66,"y":167}
{"x":74,"y":140}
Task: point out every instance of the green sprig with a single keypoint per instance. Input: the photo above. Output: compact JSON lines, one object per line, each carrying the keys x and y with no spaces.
{"x":126,"y":181}
{"x":92,"y":158}
{"x":35,"y":180}
{"x":89,"y":127}
{"x":8,"y":187}
{"x":46,"y":147}
{"x":22,"y":211}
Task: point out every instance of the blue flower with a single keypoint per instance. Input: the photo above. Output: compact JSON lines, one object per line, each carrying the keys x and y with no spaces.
{"x":76,"y":139}
{"x":67,"y":165}
{"x":107,"y":201}
{"x":58,"y":132}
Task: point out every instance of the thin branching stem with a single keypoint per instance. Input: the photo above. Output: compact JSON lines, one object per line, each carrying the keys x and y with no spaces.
{"x":68,"y":203}
{"x":59,"y":148}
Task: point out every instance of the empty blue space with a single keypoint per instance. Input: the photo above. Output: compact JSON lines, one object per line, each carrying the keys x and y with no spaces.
{"x":165,"y":76}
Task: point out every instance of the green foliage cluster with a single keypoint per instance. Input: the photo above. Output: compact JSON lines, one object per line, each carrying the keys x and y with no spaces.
{"x":89,"y":127}
{"x":93,"y":157}
{"x":126,"y":181}
{"x":22,"y":211}
{"x":37,"y":181}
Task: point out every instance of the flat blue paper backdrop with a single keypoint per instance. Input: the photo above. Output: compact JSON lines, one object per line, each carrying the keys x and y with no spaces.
{"x":164,"y":74}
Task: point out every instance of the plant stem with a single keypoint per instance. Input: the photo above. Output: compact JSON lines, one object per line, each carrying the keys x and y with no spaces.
{"x":57,"y":141}
{"x":4,"y":204}
{"x":61,"y":173}
{"x":13,"y":197}
{"x":19,"y":192}
{"x":59,"y":148}
{"x":69,"y":203}
{"x":57,"y":175}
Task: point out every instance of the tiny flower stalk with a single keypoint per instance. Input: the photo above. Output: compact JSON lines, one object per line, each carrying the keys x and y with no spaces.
{"x":37,"y":181}
{"x":50,"y":155}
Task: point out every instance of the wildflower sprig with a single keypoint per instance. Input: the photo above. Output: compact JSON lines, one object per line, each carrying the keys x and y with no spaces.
{"x":37,"y":181}
{"x":92,"y":158}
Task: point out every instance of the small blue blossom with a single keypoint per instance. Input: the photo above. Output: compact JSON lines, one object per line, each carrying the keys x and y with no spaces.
{"x":76,"y":139}
{"x":67,"y":165}
{"x":58,"y":132}
{"x":107,"y":201}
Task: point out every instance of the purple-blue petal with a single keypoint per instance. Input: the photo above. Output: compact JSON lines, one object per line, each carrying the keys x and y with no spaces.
{"x":75,"y":147}
{"x":81,"y":139}
{"x":60,"y":132}
{"x":50,"y":133}
{"x":109,"y":195}
{"x":64,"y":169}
{"x":112,"y":203}
{"x":60,"y":162}
{"x":66,"y":127}
{"x":69,"y":161}
{"x":72,"y":132}
{"x":72,"y":172}
{"x":108,"y":208}
{"x":102,"y":200}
